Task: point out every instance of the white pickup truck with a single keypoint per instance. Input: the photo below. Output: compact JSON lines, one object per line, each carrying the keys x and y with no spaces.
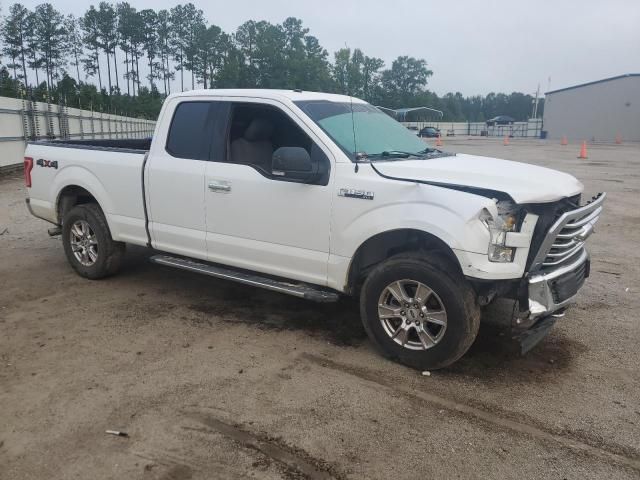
{"x":318,"y":196}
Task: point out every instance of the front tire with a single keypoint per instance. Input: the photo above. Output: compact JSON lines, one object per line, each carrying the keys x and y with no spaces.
{"x":88,"y":244}
{"x":419,"y":310}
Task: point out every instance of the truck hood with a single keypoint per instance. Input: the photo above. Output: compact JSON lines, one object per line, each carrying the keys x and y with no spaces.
{"x":523,"y":182}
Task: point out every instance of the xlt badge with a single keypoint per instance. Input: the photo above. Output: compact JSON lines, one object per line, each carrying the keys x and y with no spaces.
{"x":352,"y":193}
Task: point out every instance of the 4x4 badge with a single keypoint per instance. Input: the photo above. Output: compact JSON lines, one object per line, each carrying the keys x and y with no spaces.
{"x":351,"y":193}
{"x":47,"y":163}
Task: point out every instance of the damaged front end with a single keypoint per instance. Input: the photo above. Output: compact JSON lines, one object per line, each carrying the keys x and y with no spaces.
{"x":557,"y":268}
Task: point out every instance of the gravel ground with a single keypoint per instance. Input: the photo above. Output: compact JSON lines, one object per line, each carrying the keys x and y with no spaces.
{"x":214,"y":380}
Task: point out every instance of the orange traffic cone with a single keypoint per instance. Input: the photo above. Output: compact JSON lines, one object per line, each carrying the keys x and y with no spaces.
{"x":618,"y":139}
{"x":564,"y":140}
{"x":506,"y":141}
{"x":583,"y":150}
{"x":438,"y":141}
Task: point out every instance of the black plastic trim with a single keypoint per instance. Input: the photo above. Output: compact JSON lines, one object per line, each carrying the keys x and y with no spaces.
{"x":531,"y":337}
{"x":63,"y":144}
{"x":144,"y":201}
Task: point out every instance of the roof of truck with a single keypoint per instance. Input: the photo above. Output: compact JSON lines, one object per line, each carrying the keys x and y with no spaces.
{"x":292,"y":95}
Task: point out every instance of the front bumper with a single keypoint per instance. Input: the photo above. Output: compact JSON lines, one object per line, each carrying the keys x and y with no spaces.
{"x":553,"y":291}
{"x":549,"y":294}
{"x":557,"y":272}
{"x":560,"y":265}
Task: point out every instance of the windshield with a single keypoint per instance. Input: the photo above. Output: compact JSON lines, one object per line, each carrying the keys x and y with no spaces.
{"x":375,"y":133}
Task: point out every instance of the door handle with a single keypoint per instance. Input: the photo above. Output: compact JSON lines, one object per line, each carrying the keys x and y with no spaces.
{"x":219,"y":186}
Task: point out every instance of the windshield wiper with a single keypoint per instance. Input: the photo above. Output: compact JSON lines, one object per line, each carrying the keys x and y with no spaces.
{"x":429,"y":150}
{"x":390,"y":154}
{"x":393,"y":154}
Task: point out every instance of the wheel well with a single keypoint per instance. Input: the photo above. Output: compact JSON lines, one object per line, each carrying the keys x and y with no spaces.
{"x":69,"y":197}
{"x":384,"y":245}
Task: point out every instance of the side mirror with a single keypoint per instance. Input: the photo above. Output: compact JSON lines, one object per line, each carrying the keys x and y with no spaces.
{"x":294,"y":164}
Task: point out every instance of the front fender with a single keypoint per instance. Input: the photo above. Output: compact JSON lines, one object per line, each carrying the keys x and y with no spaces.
{"x":459,"y":230}
{"x":449,"y":215}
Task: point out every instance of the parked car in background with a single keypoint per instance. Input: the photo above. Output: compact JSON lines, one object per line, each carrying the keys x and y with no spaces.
{"x":429,"y":132}
{"x":500,"y":120}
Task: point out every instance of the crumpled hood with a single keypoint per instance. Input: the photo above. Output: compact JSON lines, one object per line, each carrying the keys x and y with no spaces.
{"x":525,"y":183}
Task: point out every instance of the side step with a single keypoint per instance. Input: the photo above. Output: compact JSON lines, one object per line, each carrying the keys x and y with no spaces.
{"x":301,"y":290}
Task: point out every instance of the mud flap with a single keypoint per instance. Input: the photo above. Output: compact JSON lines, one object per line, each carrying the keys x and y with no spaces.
{"x":531,"y":337}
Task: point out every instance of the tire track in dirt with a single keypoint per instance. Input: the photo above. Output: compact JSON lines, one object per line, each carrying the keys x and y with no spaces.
{"x":577,"y":446}
{"x":291,"y":458}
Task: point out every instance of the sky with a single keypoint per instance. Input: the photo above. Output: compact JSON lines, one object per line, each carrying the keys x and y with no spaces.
{"x":473,"y":47}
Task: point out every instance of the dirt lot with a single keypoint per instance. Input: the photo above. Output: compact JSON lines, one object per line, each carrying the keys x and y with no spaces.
{"x":214,"y":380}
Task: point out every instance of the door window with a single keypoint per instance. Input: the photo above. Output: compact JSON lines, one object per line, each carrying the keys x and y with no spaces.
{"x":256,"y":131}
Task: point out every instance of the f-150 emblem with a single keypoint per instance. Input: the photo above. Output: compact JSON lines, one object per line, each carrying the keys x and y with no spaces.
{"x":352,"y":193}
{"x":47,"y":163}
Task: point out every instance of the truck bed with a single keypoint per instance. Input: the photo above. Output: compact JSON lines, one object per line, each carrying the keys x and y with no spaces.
{"x":111,"y":170}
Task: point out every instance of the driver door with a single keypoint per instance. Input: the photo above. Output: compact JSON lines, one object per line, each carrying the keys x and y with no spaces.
{"x":255,"y":219}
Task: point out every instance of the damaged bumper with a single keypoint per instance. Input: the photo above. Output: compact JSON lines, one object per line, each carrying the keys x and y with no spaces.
{"x":549,"y":295}
{"x":553,"y":291}
{"x":558,"y":271}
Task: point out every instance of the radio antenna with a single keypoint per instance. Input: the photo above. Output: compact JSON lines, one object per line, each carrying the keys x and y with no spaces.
{"x":353,"y":123}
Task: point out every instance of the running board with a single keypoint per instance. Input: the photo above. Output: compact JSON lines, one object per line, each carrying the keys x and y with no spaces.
{"x":300,"y":290}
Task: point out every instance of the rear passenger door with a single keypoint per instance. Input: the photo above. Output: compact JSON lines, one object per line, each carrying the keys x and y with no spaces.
{"x":175,"y":176}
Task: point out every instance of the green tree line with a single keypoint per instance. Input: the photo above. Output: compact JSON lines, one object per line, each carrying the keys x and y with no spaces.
{"x":119,"y":59}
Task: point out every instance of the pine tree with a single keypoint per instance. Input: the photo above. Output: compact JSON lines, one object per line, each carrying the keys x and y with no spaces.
{"x":15,"y":33}
{"x":180,"y":30}
{"x":51,"y":36}
{"x":74,"y":43}
{"x":207,"y":57}
{"x":150,"y":42}
{"x":125,"y":12}
{"x":131,"y":32}
{"x":90,"y":24}
{"x":108,"y":37}
{"x":34,"y":61}
{"x":165,"y":48}
{"x":194,"y":22}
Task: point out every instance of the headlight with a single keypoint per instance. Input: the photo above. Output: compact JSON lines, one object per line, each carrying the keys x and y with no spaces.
{"x":505,"y":221}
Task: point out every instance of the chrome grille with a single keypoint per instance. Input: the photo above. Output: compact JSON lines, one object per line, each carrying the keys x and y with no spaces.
{"x":568,"y":234}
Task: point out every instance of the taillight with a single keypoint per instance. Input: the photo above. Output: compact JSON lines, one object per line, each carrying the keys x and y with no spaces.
{"x":28,"y":166}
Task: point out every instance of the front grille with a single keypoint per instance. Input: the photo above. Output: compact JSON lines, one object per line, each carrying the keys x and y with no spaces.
{"x":566,"y":237}
{"x":548,"y":214}
{"x":570,"y":240}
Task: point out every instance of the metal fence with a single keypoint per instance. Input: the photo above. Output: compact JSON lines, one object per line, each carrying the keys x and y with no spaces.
{"x":23,"y":120}
{"x":531,"y":128}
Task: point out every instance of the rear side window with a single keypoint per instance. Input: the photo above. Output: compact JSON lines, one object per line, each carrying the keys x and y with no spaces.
{"x":190,"y":133}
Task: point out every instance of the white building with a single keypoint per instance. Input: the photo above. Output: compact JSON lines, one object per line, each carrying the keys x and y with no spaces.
{"x":595,"y":111}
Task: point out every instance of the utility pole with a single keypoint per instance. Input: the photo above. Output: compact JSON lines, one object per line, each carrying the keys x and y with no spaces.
{"x":535,"y":103}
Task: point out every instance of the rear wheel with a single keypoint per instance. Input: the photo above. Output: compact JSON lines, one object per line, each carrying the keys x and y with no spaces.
{"x":88,"y":244}
{"x":417,"y":309}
